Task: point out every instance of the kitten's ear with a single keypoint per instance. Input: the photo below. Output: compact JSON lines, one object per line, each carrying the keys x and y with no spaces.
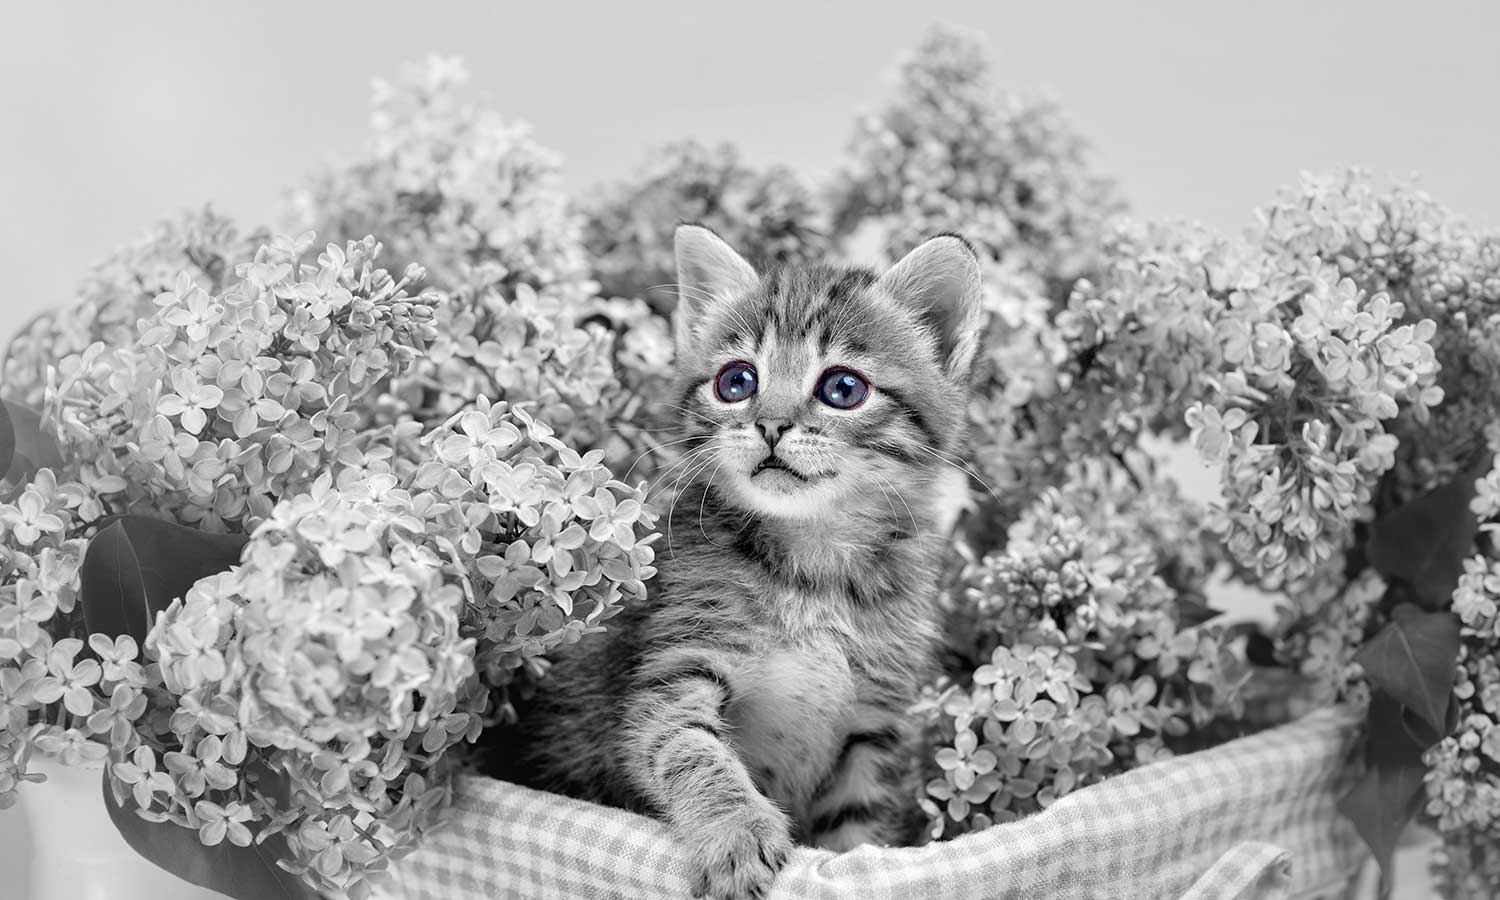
{"x":941,"y":281}
{"x":708,"y":272}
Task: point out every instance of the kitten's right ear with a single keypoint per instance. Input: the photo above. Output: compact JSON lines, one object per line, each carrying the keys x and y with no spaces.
{"x":942,"y":283}
{"x":708,"y":272}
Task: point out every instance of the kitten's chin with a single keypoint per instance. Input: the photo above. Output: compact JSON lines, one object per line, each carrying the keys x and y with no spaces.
{"x":782,"y":495}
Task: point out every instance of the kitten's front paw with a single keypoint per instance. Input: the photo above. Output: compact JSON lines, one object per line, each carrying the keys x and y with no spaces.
{"x":737,"y":858}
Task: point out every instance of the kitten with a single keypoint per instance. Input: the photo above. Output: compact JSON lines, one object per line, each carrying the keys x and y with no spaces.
{"x":759,"y":696}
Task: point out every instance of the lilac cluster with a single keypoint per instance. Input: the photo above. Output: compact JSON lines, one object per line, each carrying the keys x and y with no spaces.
{"x":119,"y":291}
{"x":228,"y":402}
{"x":448,"y":181}
{"x":951,"y":151}
{"x":1280,"y":368}
{"x":397,"y":577}
{"x":1079,"y":661}
{"x":769,"y":215}
{"x":1463,"y":778}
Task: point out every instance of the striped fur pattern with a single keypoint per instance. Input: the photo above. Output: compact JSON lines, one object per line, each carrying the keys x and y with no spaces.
{"x":759,"y":697}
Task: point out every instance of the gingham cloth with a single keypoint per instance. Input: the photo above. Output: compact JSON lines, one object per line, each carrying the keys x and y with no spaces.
{"x":1252,"y":819}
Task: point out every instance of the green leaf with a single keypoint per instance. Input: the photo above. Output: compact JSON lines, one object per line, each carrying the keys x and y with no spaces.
{"x":245,"y":873}
{"x":1389,"y":793}
{"x":25,"y":446}
{"x":1425,"y":542}
{"x":1413,"y":659}
{"x":136,"y":566}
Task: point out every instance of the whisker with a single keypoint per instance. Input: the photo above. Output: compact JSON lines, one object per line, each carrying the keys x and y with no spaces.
{"x":693,"y":290}
{"x":677,"y":495}
{"x":649,"y":450}
{"x":684,"y":462}
{"x":915,"y":528}
{"x":736,"y":315}
{"x":683,"y":466}
{"x":637,"y":429}
{"x":659,"y":488}
{"x":964,"y":468}
{"x":691,"y":412}
{"x":704,"y":501}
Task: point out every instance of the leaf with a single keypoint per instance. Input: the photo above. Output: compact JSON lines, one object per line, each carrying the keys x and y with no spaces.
{"x":7,"y":440}
{"x":25,"y":446}
{"x":1413,"y":659}
{"x":1424,"y":543}
{"x":1411,"y":664}
{"x":1425,"y":735}
{"x":245,"y":873}
{"x":1192,"y":610}
{"x":136,"y":566}
{"x":1390,"y":791}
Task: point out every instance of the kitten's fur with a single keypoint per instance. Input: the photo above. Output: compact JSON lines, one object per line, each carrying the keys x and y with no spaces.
{"x":760,"y":695}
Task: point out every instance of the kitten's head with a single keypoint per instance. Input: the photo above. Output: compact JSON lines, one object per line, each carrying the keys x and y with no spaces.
{"x":816,"y":387}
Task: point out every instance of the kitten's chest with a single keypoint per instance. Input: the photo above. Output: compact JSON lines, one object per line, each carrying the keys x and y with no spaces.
{"x":792,"y":707}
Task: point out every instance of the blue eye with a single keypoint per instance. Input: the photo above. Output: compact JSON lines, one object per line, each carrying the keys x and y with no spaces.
{"x":735,"y":382}
{"x":842,"y":389}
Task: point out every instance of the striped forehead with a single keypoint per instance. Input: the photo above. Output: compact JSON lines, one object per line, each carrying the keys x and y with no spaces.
{"x":815,"y":308}
{"x":786,"y":361}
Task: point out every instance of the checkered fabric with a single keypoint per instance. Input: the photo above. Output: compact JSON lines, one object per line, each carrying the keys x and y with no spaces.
{"x":1252,"y":819}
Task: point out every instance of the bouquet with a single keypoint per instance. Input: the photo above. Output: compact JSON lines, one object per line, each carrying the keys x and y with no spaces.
{"x":272,"y":616}
{"x":281,"y":531}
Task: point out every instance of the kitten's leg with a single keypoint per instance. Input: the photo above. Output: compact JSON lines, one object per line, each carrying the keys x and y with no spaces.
{"x":678,"y":756}
{"x":864,"y":798}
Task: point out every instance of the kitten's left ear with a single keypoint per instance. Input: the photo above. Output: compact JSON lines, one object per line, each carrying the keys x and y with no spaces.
{"x":708,"y":272}
{"x":941,"y":281}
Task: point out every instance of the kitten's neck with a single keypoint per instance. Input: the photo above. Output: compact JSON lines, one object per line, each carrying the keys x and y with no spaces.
{"x":865,"y":550}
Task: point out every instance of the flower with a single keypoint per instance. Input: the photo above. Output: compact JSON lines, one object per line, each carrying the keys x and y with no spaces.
{"x":360,"y":638}
{"x":1213,"y":431}
{"x":950,"y":151}
{"x":219,"y":428}
{"x":964,"y":762}
{"x":431,"y":480}
{"x":451,"y":184}
{"x":190,"y":308}
{"x":1292,"y":374}
{"x":119,"y":291}
{"x":28,"y":519}
{"x":22,"y":618}
{"x":1078,"y":663}
{"x":118,"y":657}
{"x":766,"y":214}
{"x":472,"y":196}
{"x":67,"y":680}
{"x":70,"y":745}
{"x":189,"y":400}
{"x":196,"y":772}
{"x":334,"y":847}
{"x":1476,"y":599}
{"x":141,"y":775}
{"x":220,"y":822}
{"x":126,"y":704}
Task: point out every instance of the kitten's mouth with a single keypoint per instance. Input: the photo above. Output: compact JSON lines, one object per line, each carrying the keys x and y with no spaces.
{"x":774,"y":464}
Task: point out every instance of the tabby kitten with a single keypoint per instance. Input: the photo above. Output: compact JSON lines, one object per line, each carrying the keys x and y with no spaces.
{"x":759,"y":696}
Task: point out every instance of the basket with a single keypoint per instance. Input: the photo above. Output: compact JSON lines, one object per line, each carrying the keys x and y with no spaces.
{"x":1254,"y":819}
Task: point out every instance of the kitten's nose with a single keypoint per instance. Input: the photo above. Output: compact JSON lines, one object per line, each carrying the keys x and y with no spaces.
{"x":772,"y":429}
